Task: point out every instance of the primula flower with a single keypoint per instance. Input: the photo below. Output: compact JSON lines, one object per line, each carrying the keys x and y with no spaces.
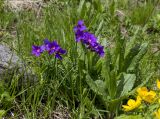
{"x":80,"y":26}
{"x":91,"y":41}
{"x":79,"y":36}
{"x":37,"y":50}
{"x":79,"y":30}
{"x":158,"y":84}
{"x":132,"y":104}
{"x":59,"y":53}
{"x":51,"y":47}
{"x":47,"y":43}
{"x":87,"y":38}
{"x":99,"y":50}
{"x":158,"y":114}
{"x":148,"y":96}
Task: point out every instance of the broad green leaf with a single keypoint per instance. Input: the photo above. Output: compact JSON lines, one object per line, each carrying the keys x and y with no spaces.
{"x":132,"y":41}
{"x":126,"y":83}
{"x":132,"y":91}
{"x":138,"y":57}
{"x":97,"y":86}
{"x":101,"y":87}
{"x":128,"y":59}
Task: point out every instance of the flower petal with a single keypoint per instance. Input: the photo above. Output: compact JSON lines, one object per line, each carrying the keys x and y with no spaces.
{"x":158,"y":84}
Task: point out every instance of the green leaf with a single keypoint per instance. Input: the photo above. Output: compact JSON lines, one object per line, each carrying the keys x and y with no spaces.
{"x":81,"y":65}
{"x":106,"y":76}
{"x":97,"y":86}
{"x":126,"y":83}
{"x":112,"y":7}
{"x":138,"y":57}
{"x":99,"y":27}
{"x":109,"y":75}
{"x":128,"y":59}
{"x":132,"y":91}
{"x":81,"y":5}
{"x":113,"y":84}
{"x":5,"y":95}
{"x":98,"y":66}
{"x":97,"y":5}
{"x":2,"y":112}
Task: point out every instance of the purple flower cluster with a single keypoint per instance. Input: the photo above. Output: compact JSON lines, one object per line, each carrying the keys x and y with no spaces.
{"x":81,"y":34}
{"x":87,"y":38}
{"x":51,"y":47}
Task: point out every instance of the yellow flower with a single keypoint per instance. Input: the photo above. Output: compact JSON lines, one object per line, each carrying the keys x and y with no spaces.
{"x":158,"y":114}
{"x":158,"y":84}
{"x":148,"y":96}
{"x":142,"y":92}
{"x":132,"y":104}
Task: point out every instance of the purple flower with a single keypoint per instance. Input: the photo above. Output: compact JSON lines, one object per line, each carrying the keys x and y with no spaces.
{"x":97,"y":48}
{"x":79,"y":30}
{"x":37,"y":50}
{"x":79,"y":36}
{"x":47,"y":43}
{"x":59,"y":53}
{"x":89,"y":39}
{"x":80,"y":26}
{"x":51,"y":47}
{"x":100,"y":50}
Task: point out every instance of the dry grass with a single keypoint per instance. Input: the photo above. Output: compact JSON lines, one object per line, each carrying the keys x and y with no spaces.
{"x":18,"y":5}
